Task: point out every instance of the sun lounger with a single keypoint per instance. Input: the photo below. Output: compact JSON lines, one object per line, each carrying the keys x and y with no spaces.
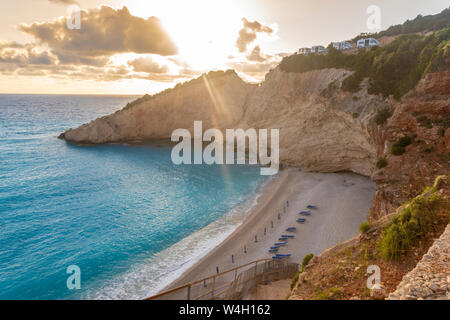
{"x":301,"y":220}
{"x":311,"y":207}
{"x":278,"y":258}
{"x":283,"y":239}
{"x":305,"y":213}
{"x":287,"y":236}
{"x":291,"y":229}
{"x":283,"y":255}
{"x":273,"y":250}
{"x":276,"y":247}
{"x":280,"y":243}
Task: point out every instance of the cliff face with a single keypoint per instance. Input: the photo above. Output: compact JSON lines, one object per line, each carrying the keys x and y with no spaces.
{"x":322,"y":128}
{"x":219,"y":101}
{"x":424,"y":116}
{"x":319,"y":128}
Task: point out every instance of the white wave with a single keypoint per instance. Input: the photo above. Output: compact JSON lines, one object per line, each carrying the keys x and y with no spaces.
{"x":154,"y":274}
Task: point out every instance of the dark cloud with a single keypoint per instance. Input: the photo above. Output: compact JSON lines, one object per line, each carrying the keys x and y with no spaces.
{"x":104,"y":32}
{"x":251,"y":68}
{"x":146,"y":64}
{"x":255,"y":65}
{"x":23,"y":55}
{"x":249,"y":32}
{"x":256,"y":55}
{"x":88,"y":53}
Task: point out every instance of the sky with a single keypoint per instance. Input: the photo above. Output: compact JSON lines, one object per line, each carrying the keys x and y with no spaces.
{"x":145,"y":46}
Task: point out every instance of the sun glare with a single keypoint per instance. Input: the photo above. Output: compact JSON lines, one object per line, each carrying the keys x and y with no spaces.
{"x":204,"y":30}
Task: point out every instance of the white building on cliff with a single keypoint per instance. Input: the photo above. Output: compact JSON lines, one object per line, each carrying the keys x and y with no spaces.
{"x":367,"y":43}
{"x":344,"y":45}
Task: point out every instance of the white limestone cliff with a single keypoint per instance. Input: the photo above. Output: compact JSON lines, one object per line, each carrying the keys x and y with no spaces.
{"x":321,"y":127}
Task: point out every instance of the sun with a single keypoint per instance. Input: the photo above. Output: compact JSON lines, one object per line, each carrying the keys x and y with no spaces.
{"x":205,"y":31}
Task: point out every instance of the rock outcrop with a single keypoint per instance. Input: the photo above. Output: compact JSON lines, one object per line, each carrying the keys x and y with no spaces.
{"x":218,"y":100}
{"x":424,"y":116}
{"x":321,"y":127}
{"x":430,"y":279}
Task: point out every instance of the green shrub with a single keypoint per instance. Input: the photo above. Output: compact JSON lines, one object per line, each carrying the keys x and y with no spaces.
{"x":351,"y":83}
{"x":398,"y":148}
{"x":382,"y":116}
{"x":306,"y":260}
{"x":404,"y":141}
{"x":330,"y":294}
{"x":364,"y":227}
{"x":428,"y":150}
{"x":411,"y":224}
{"x":355,"y":115}
{"x":424,"y":121}
{"x":441,"y":132}
{"x":295,"y":279}
{"x":381,"y":163}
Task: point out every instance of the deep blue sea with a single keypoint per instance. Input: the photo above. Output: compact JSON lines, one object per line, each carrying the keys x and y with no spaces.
{"x":125,"y":215}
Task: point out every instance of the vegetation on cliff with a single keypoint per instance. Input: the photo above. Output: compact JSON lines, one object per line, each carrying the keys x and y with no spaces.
{"x":395,"y":245}
{"x":398,"y":148}
{"x":419,"y":24}
{"x":382,"y":115}
{"x":381,"y":163}
{"x":393,"y":69}
{"x":305,"y":261}
{"x":410,"y":226}
{"x":364,"y":227}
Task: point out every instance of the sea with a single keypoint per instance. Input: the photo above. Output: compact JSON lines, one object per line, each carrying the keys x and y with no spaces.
{"x":124,"y":216}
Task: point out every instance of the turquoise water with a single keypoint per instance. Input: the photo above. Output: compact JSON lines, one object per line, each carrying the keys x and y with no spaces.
{"x":128,"y":217}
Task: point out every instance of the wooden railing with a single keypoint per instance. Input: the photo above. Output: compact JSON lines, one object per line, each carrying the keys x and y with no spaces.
{"x":231,"y":284}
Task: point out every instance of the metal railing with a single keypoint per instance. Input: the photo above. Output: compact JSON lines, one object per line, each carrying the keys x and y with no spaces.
{"x":232,"y":284}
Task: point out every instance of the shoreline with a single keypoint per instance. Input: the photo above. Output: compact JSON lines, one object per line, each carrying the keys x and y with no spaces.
{"x":154,"y":274}
{"x":191,"y":274}
{"x":345,"y":196}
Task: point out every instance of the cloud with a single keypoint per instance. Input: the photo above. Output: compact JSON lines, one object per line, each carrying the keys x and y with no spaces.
{"x":112,"y":45}
{"x":11,"y":44}
{"x":252,"y":68}
{"x":146,"y":64}
{"x":284,"y":54}
{"x":256,"y":55}
{"x":104,"y":32}
{"x":23,"y":55}
{"x":249,"y":32}
{"x":26,"y":60}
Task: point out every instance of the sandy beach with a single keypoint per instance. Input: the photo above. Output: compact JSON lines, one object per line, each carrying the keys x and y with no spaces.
{"x":342,"y":201}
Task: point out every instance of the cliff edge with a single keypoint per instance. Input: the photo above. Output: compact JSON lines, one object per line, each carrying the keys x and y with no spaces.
{"x":317,"y":122}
